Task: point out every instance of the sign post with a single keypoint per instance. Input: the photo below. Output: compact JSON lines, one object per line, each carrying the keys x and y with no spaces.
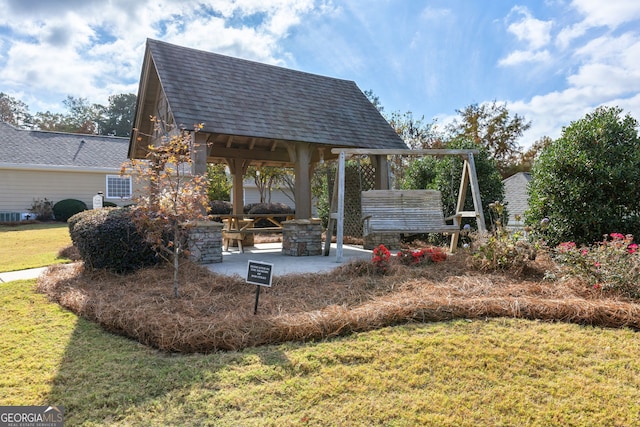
{"x":259,"y":274}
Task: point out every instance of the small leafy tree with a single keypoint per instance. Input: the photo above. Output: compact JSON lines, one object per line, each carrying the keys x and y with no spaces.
{"x":219,"y":185}
{"x":174,"y":199}
{"x":585,"y":184}
{"x":265,"y":178}
{"x":444,"y":175}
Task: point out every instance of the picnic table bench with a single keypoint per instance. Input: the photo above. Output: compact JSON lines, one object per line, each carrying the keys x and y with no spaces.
{"x":406,"y":212}
{"x":238,"y":226}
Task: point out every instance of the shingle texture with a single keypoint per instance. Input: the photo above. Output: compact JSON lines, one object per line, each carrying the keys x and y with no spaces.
{"x":32,"y":148}
{"x":240,"y":97}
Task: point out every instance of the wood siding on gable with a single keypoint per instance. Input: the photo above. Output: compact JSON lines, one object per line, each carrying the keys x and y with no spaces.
{"x":21,"y":187}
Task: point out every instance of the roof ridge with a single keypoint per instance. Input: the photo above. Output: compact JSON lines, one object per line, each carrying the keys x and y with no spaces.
{"x":251,"y":61}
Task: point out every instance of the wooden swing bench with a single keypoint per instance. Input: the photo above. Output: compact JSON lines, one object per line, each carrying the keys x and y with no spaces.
{"x":406,"y":212}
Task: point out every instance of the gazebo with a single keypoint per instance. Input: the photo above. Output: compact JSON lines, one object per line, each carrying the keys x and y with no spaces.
{"x":256,"y":114}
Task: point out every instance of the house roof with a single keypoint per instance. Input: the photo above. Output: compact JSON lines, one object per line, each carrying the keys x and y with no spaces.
{"x":516,"y":193}
{"x":232,"y":96}
{"x":43,"y":149}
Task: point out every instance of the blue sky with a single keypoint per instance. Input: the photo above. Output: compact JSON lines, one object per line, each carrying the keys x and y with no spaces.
{"x":551,"y":61}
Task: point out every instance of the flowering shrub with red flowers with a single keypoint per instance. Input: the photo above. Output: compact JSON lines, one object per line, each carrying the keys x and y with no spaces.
{"x":421,"y":256}
{"x":380,"y":260}
{"x":610,"y":265}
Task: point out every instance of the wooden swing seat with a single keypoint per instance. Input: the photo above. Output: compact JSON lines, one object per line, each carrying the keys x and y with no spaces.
{"x":405,"y":212}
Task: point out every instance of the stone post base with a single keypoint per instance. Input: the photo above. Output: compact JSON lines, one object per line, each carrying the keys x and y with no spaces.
{"x":389,"y":240}
{"x":205,"y":242}
{"x":302,"y":237}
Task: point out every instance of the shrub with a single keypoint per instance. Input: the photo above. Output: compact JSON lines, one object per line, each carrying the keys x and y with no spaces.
{"x":106,"y":204}
{"x":269,"y":208}
{"x":610,"y":265}
{"x":43,"y":209}
{"x":220,"y":207}
{"x":107,"y":238}
{"x":444,"y":175}
{"x":586,"y":181}
{"x":381,"y":259}
{"x":383,"y":263}
{"x":502,"y":250}
{"x":421,"y":256}
{"x":65,"y":209}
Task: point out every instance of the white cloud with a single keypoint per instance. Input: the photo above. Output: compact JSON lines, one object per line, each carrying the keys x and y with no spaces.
{"x":93,"y":49}
{"x":602,"y":69}
{"x":534,"y":32}
{"x":521,"y":56}
{"x":431,"y":13}
{"x":611,"y":14}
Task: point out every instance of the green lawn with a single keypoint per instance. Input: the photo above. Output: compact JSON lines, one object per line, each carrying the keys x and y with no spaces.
{"x":500,"y":372}
{"x":32,"y":245}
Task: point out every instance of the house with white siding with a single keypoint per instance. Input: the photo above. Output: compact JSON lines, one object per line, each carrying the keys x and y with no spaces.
{"x":35,"y":165}
{"x":516,"y":194}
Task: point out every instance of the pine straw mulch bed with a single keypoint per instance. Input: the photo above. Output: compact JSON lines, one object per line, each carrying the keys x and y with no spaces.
{"x":215,"y":312}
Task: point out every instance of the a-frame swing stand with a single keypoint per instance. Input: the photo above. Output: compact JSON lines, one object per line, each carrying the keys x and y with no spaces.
{"x":469,"y":177}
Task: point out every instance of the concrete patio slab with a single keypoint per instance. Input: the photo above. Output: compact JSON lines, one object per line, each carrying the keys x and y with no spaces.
{"x":234,"y":262}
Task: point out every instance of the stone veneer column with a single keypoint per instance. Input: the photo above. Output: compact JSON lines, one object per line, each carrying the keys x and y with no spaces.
{"x":302,"y":237}
{"x":205,"y":242}
{"x":389,"y":240}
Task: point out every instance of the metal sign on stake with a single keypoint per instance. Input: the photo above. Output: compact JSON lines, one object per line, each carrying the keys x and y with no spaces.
{"x":259,"y":274}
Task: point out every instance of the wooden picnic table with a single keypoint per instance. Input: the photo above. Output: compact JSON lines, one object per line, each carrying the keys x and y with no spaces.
{"x":238,"y":226}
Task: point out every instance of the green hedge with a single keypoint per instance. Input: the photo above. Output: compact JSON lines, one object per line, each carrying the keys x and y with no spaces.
{"x":268,"y":208}
{"x":65,"y":209}
{"x":107,"y":238}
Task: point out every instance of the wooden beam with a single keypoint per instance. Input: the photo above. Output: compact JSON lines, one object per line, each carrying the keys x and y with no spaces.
{"x":229,"y":141}
{"x":238,"y":170}
{"x":399,"y":152}
{"x":269,"y":156}
{"x":274,"y":145}
{"x":302,"y":190}
{"x":381,"y":172}
{"x":252,"y":143}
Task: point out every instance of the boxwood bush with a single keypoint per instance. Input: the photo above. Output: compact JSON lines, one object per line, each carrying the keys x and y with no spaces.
{"x":268,"y":208}
{"x":65,"y":209}
{"x":107,"y":238}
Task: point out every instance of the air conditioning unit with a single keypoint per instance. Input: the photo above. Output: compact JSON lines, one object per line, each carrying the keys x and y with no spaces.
{"x":9,"y":216}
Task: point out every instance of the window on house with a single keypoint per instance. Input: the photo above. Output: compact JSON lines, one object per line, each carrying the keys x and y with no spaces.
{"x":118,"y":187}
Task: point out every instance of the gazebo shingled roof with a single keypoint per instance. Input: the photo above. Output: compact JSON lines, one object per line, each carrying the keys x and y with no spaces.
{"x":254,"y":113}
{"x":243,"y":98}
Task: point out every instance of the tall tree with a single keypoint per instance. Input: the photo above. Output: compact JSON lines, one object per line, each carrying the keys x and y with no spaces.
{"x":56,"y":122}
{"x":14,"y":111}
{"x":374,"y":99}
{"x":415,"y":132}
{"x":84,"y":117}
{"x":117,"y":118}
{"x":81,"y":117}
{"x":492,"y":126}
